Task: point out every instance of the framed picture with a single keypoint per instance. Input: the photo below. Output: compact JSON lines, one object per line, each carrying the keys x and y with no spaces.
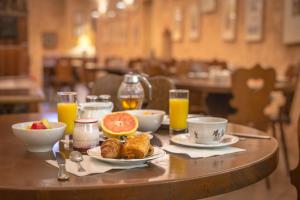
{"x":291,"y":27}
{"x":177,"y":24}
{"x":194,"y":21}
{"x":254,"y":20}
{"x":49,"y":40}
{"x":229,"y":18}
{"x":208,"y":6}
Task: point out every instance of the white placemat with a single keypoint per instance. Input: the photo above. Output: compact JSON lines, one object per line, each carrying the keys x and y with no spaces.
{"x":92,"y":166}
{"x":201,"y":153}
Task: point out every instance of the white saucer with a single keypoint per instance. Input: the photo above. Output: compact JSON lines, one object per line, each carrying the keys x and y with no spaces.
{"x":166,"y":120}
{"x":184,"y":139}
{"x":96,"y":153}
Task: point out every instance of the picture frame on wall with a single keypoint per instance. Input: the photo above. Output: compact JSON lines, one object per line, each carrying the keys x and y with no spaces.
{"x":177,"y":33}
{"x":229,"y":20}
{"x":291,"y":22}
{"x":208,"y":6}
{"x":194,"y":21}
{"x":254,"y":20}
{"x":49,"y":40}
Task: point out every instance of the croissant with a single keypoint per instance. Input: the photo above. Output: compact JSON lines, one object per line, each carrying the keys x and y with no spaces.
{"x":111,"y":148}
{"x":136,"y":147}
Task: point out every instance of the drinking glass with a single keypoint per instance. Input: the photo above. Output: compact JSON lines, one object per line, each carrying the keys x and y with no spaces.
{"x":178,"y":110}
{"x":67,"y":111}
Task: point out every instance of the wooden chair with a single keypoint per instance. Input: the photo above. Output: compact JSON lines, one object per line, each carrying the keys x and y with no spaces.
{"x":292,"y":75}
{"x":251,"y":90}
{"x":160,"y":93}
{"x":64,"y":74}
{"x":153,"y":69}
{"x":295,"y":173}
{"x":251,"y":95}
{"x":183,"y":67}
{"x":108,"y":84}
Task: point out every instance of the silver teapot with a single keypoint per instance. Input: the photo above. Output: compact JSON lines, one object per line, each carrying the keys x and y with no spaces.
{"x":131,"y":94}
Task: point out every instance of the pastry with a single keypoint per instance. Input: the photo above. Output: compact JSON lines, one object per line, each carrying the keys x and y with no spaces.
{"x":136,"y":147}
{"x":111,"y":148}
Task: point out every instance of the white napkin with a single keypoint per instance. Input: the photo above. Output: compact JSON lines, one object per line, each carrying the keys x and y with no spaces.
{"x":92,"y":166}
{"x":201,"y":153}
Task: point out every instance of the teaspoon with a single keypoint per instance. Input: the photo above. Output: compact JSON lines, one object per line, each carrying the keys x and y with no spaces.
{"x":77,"y":157}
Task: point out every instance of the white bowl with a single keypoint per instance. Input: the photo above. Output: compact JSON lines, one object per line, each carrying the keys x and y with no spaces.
{"x":39,"y":140}
{"x":207,"y":130}
{"x":149,"y":120}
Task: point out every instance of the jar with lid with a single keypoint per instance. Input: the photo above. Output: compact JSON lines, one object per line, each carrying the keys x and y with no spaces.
{"x":131,"y":93}
{"x":91,"y":98}
{"x":86,"y":134}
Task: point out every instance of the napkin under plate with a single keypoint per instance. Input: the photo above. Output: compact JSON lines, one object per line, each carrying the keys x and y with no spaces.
{"x":201,"y":153}
{"x":92,"y":166}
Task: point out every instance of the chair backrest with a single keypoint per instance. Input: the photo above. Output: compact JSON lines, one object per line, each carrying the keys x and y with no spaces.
{"x":153,"y":69}
{"x":64,"y":70}
{"x":160,"y":93}
{"x":183,"y":67}
{"x":292,"y":74}
{"x":108,"y":84}
{"x":295,"y":173}
{"x":251,"y":90}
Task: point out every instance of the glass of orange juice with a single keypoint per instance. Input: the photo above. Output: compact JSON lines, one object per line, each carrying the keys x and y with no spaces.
{"x":67,"y":111}
{"x":178,"y":110}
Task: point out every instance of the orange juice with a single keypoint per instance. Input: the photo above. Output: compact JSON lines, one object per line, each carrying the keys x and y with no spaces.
{"x":179,"y":108}
{"x":67,"y":113}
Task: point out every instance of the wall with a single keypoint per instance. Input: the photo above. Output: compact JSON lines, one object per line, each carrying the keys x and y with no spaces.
{"x":124,"y":35}
{"x":43,"y":16}
{"x":269,"y":52}
{"x":52,"y":16}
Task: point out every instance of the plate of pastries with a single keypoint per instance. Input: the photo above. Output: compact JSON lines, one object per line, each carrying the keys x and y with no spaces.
{"x":132,"y":150}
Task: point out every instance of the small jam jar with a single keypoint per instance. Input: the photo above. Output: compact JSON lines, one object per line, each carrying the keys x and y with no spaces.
{"x":86,"y":134}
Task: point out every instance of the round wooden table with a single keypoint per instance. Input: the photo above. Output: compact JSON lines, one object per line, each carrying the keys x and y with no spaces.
{"x":25,"y":175}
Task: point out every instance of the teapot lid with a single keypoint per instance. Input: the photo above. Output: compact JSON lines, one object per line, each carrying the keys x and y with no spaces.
{"x":131,"y":78}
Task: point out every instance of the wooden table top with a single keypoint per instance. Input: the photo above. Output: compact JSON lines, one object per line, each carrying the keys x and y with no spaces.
{"x":223,"y":86}
{"x":27,"y":175}
{"x":20,"y":90}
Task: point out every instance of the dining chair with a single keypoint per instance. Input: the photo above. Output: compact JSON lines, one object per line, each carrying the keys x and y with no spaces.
{"x":251,"y":89}
{"x":153,"y":68}
{"x":283,"y":116}
{"x":160,"y":93}
{"x":295,"y":173}
{"x":64,"y":75}
{"x":108,"y":84}
{"x":292,"y":76}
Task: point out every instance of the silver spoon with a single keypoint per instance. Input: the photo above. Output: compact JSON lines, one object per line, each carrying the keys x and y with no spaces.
{"x":77,"y":157}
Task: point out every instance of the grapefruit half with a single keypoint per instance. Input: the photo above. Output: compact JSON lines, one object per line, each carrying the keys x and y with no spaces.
{"x":119,"y":124}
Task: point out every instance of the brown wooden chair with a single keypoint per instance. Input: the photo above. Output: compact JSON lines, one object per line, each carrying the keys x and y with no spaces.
{"x":64,"y":74}
{"x":183,"y":67}
{"x":153,"y":69}
{"x":295,"y":173}
{"x":292,"y":76}
{"x":251,"y":90}
{"x":108,"y":84}
{"x":160,"y":93}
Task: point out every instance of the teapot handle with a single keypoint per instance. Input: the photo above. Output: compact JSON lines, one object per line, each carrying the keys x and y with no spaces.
{"x":145,"y":80}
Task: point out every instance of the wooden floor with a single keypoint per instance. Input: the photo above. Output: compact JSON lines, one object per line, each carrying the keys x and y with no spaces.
{"x":281,"y":189}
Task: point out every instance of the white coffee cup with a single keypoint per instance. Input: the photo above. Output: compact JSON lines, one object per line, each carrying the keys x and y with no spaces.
{"x":207,"y":130}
